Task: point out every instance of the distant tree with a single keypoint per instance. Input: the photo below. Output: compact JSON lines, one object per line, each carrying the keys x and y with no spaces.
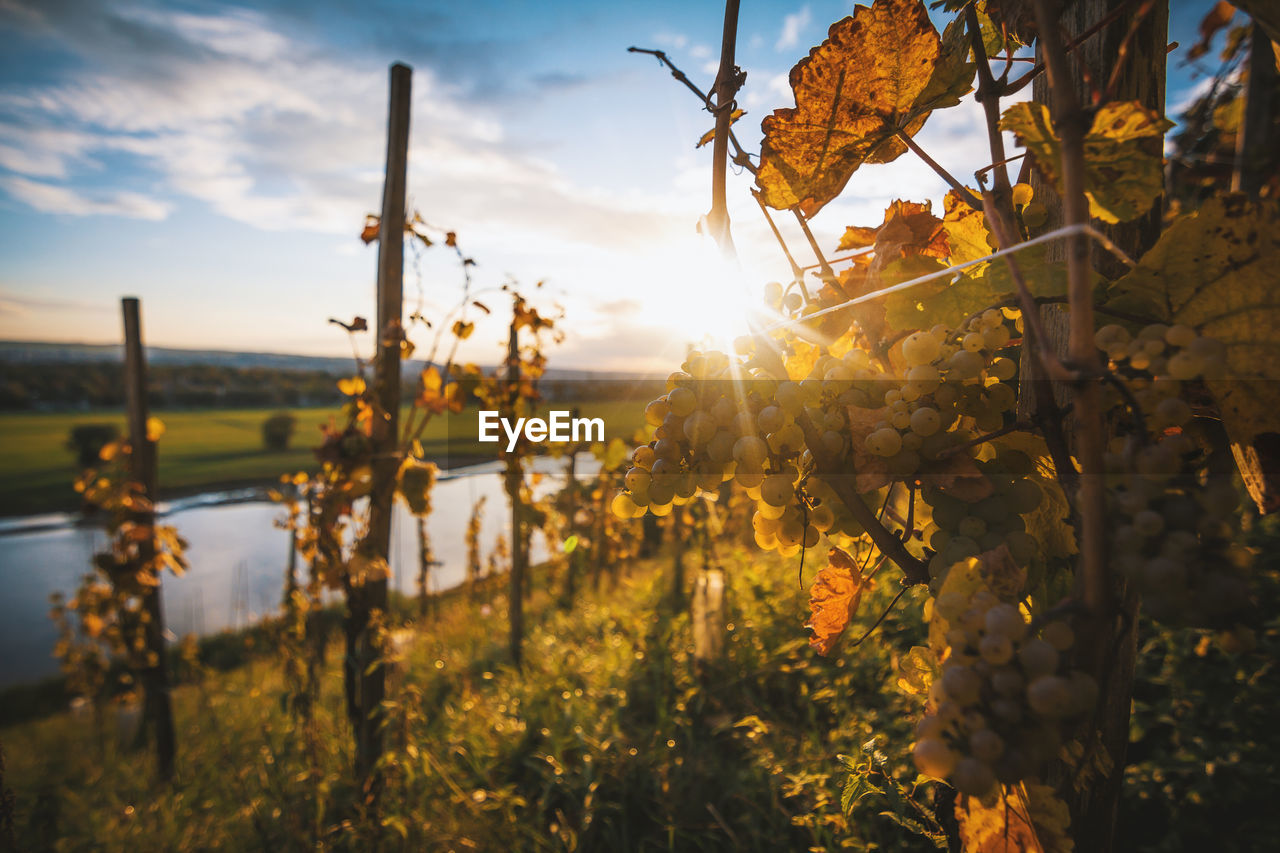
{"x":277,"y":430}
{"x":87,"y":441}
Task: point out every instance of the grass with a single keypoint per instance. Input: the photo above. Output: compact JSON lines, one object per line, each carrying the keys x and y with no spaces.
{"x":611,"y":738}
{"x":212,"y":449}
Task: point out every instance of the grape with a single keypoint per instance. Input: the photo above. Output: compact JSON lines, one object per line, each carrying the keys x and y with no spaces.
{"x":624,"y":507}
{"x":637,"y":479}
{"x":682,"y":401}
{"x":1003,"y":368}
{"x":777,"y":490}
{"x":1038,"y":657}
{"x":1059,"y":635}
{"x":657,"y":411}
{"x":771,"y":419}
{"x":773,"y":293}
{"x":884,"y":442}
{"x":973,"y":777}
{"x":1050,"y":696}
{"x":962,"y":684}
{"x":933,"y":757}
{"x":996,"y":649}
{"x":921,"y":348}
{"x":750,"y":450}
{"x":985,"y":745}
{"x":996,"y":338}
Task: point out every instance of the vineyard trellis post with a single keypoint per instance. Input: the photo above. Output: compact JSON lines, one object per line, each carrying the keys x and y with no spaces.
{"x":158,"y":713}
{"x":371,"y":596}
{"x":1139,"y":42}
{"x":514,"y":480}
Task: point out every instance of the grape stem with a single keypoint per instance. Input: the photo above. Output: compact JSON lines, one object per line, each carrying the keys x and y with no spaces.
{"x":797,"y":272}
{"x":961,"y":189}
{"x":828,"y":275}
{"x":914,"y":570}
{"x":740,"y":156}
{"x":1071,"y":122}
{"x":1016,"y":426}
{"x":883,"y":616}
{"x":988,"y":94}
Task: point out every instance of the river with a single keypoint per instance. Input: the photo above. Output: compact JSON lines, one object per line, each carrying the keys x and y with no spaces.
{"x":237,"y":556}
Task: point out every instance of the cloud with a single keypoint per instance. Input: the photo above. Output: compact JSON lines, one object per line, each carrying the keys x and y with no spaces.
{"x":792,"y":27}
{"x":270,"y":126}
{"x":48,"y":198}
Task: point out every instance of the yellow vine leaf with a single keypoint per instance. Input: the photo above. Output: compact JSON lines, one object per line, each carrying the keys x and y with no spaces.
{"x":463,"y":330}
{"x":711,"y":134}
{"x":1124,"y":167}
{"x":917,"y":670}
{"x":833,"y":599}
{"x":352,"y":386}
{"x":155,"y":429}
{"x":1215,"y":270}
{"x":943,"y":300}
{"x":1004,"y":827}
{"x":1048,"y":522}
{"x":881,"y":70}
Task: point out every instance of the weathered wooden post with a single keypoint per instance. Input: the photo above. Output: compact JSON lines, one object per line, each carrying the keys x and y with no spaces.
{"x":371,"y":596}
{"x":157,"y":711}
{"x":515,"y":478}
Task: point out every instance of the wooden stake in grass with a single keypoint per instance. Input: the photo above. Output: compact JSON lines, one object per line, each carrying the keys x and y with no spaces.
{"x":370,"y":597}
{"x":157,"y":712}
{"x":514,"y":482}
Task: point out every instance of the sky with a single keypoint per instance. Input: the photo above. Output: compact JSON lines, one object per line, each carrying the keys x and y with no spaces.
{"x":218,"y":159}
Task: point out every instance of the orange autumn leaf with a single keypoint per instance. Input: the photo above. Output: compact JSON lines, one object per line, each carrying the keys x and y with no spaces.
{"x":369,"y":233}
{"x":879,"y":74}
{"x":833,"y":599}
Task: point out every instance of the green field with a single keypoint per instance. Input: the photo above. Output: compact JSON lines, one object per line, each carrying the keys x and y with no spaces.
{"x":213,"y":449}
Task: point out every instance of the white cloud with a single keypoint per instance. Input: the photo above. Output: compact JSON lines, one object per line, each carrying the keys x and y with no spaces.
{"x":48,"y":198}
{"x":792,"y":27}
{"x":269,"y":129}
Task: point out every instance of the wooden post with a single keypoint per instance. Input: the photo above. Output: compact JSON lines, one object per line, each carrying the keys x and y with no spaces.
{"x":371,"y":597}
{"x":515,"y":476}
{"x":727,"y":83}
{"x":1255,"y":144}
{"x":158,"y":713}
{"x":1093,"y":810}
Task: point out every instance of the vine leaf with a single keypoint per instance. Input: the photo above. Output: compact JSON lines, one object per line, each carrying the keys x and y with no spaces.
{"x":711,"y":134}
{"x":1124,"y":172}
{"x":1214,"y":270}
{"x":1049,"y":521}
{"x":917,"y":671}
{"x":967,"y":239}
{"x":833,"y":599}
{"x":880,"y":71}
{"x":1004,"y":827}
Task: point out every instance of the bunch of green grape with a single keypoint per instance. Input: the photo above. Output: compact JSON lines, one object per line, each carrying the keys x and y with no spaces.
{"x":948,"y":376}
{"x":1172,"y":504}
{"x":1156,"y":363}
{"x":961,"y":529}
{"x":728,"y":418}
{"x":997,"y":710}
{"x":723,"y":420}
